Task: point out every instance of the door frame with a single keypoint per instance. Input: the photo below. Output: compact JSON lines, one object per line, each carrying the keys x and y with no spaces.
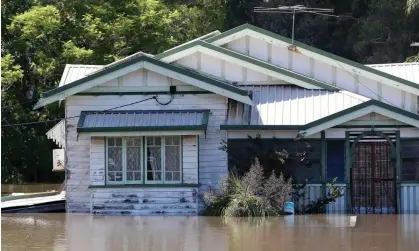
{"x":349,"y":157}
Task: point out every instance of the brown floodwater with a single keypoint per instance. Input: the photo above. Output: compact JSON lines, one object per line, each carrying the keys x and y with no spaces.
{"x":320,"y":232}
{"x":28,"y":188}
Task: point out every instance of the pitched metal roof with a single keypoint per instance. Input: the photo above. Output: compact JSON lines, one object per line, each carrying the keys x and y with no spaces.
{"x":314,"y":51}
{"x":73,"y":72}
{"x":289,"y":105}
{"x":393,"y":112}
{"x":299,"y":78}
{"x":408,"y":71}
{"x":143,"y":120}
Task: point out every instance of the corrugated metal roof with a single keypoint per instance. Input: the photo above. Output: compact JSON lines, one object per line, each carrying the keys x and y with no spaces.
{"x":289,"y":105}
{"x":97,"y":121}
{"x":408,"y":71}
{"x":74,"y":72}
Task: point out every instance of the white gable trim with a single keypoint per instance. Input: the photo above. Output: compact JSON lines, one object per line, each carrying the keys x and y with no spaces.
{"x":134,"y":67}
{"x":356,"y":114}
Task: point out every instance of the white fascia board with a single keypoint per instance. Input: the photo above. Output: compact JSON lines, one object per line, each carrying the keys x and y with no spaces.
{"x":397,"y":116}
{"x":356,"y":114}
{"x":197,"y":83}
{"x":336,"y":121}
{"x":89,"y":84}
{"x":180,"y":54}
{"x":349,"y":68}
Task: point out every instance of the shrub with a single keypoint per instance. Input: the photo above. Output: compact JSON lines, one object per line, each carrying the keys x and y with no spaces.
{"x":251,"y":195}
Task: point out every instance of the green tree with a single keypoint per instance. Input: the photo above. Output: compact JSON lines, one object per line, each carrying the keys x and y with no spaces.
{"x":41,"y":36}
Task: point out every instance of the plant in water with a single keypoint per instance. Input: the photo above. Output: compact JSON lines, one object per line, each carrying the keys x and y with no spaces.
{"x":250,"y":195}
{"x":319,"y":205}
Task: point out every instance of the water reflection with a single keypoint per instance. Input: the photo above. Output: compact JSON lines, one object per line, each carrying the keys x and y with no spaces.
{"x":85,"y":232}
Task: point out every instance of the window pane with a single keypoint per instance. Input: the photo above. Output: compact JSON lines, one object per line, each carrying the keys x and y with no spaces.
{"x":154,"y":168}
{"x":111,"y":142}
{"x":118,"y":141}
{"x":133,"y":158}
{"x":172,"y":158}
{"x":115,"y":159}
{"x":410,"y":160}
{"x":129,"y":141}
{"x":176,"y":140}
{"x":172,"y":162}
{"x":157,"y":141}
{"x":336,"y":160}
{"x":133,"y":152}
{"x":137,"y":141}
{"x":114,"y":164}
{"x":118,"y":176}
{"x":176,"y":176}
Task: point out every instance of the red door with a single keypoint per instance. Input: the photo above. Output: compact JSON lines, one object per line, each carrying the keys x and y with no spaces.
{"x":373,"y":187}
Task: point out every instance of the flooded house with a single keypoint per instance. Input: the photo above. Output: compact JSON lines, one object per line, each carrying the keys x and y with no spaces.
{"x":142,"y":135}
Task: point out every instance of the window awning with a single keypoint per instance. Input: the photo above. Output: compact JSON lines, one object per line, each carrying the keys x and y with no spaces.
{"x":143,"y":121}
{"x":57,"y":133}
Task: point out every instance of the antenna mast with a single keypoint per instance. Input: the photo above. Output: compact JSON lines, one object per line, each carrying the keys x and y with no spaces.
{"x":282,"y":9}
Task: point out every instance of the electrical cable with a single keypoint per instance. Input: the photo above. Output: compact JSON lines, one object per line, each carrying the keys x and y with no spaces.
{"x":59,"y":119}
{"x":341,"y":66}
{"x":170,"y":101}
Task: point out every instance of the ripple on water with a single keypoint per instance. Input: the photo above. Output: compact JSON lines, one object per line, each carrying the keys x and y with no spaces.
{"x":318,"y":232}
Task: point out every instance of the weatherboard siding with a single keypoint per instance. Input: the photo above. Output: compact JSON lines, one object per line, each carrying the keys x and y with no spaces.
{"x":409,"y":198}
{"x":336,"y":75}
{"x":144,"y":201}
{"x":84,"y":154}
{"x":143,"y":80}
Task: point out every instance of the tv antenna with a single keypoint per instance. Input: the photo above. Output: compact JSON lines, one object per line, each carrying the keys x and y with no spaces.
{"x":282,"y":9}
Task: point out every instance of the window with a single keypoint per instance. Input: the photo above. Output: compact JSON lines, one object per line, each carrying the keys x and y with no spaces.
{"x":159,"y":162}
{"x":410,"y":160}
{"x":336,"y":160}
{"x":163,"y":159}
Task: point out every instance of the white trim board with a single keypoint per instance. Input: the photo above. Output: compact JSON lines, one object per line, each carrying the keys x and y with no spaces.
{"x":356,"y":114}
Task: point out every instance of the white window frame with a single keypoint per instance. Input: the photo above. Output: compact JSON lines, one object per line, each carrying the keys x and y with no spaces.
{"x":124,"y":162}
{"x":163,"y":161}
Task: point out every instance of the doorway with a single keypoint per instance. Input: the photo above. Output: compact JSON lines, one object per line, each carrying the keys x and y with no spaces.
{"x":373,"y":187}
